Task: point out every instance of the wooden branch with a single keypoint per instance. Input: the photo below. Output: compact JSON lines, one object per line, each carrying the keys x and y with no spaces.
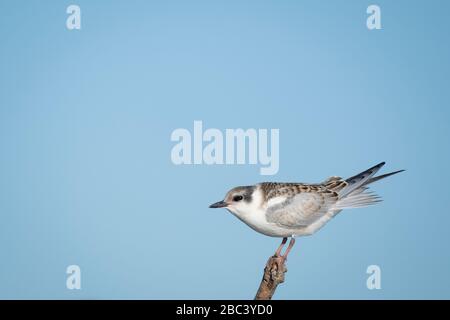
{"x":272,"y":277}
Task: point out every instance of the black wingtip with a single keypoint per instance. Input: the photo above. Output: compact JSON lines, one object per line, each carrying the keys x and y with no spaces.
{"x":363,"y":175}
{"x":377,"y":166}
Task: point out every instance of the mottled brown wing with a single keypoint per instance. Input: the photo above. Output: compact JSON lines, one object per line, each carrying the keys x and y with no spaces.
{"x":302,"y":208}
{"x":335,"y":184}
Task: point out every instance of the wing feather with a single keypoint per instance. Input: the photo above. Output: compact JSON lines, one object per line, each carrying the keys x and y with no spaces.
{"x":301,"y":209}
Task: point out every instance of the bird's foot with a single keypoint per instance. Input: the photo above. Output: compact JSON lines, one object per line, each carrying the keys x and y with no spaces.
{"x":276,"y":268}
{"x":279,"y":262}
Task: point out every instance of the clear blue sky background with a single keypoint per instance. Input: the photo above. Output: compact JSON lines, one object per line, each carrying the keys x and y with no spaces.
{"x":86,"y":116}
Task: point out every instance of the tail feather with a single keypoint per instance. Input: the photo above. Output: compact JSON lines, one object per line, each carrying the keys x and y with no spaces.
{"x":355,"y":194}
{"x":362,"y":200}
{"x":361,"y":197}
{"x":372,"y":180}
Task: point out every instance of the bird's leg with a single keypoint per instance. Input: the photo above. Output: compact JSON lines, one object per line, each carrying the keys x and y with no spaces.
{"x":278,"y":258}
{"x":278,"y":252}
{"x":291,"y":244}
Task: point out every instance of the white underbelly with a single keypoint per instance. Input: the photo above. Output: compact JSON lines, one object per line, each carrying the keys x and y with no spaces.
{"x":260,"y":224}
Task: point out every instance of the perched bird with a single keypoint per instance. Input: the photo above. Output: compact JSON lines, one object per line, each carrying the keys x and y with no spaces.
{"x":299,"y":209}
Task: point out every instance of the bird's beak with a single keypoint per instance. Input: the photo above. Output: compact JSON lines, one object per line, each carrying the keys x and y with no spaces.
{"x":220,"y":204}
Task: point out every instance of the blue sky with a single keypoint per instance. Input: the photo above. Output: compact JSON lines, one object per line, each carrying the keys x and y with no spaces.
{"x":86,"y":118}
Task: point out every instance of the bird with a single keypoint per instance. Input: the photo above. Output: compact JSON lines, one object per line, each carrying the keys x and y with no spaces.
{"x":290,"y":210}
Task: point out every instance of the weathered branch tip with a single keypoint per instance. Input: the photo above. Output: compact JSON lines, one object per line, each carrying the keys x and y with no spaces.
{"x":272,"y":277}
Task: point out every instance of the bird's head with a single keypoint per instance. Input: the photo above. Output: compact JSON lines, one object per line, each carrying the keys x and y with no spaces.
{"x":238,"y":200}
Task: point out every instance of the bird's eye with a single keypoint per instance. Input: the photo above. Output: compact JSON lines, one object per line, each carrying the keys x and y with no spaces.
{"x":238,"y":198}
